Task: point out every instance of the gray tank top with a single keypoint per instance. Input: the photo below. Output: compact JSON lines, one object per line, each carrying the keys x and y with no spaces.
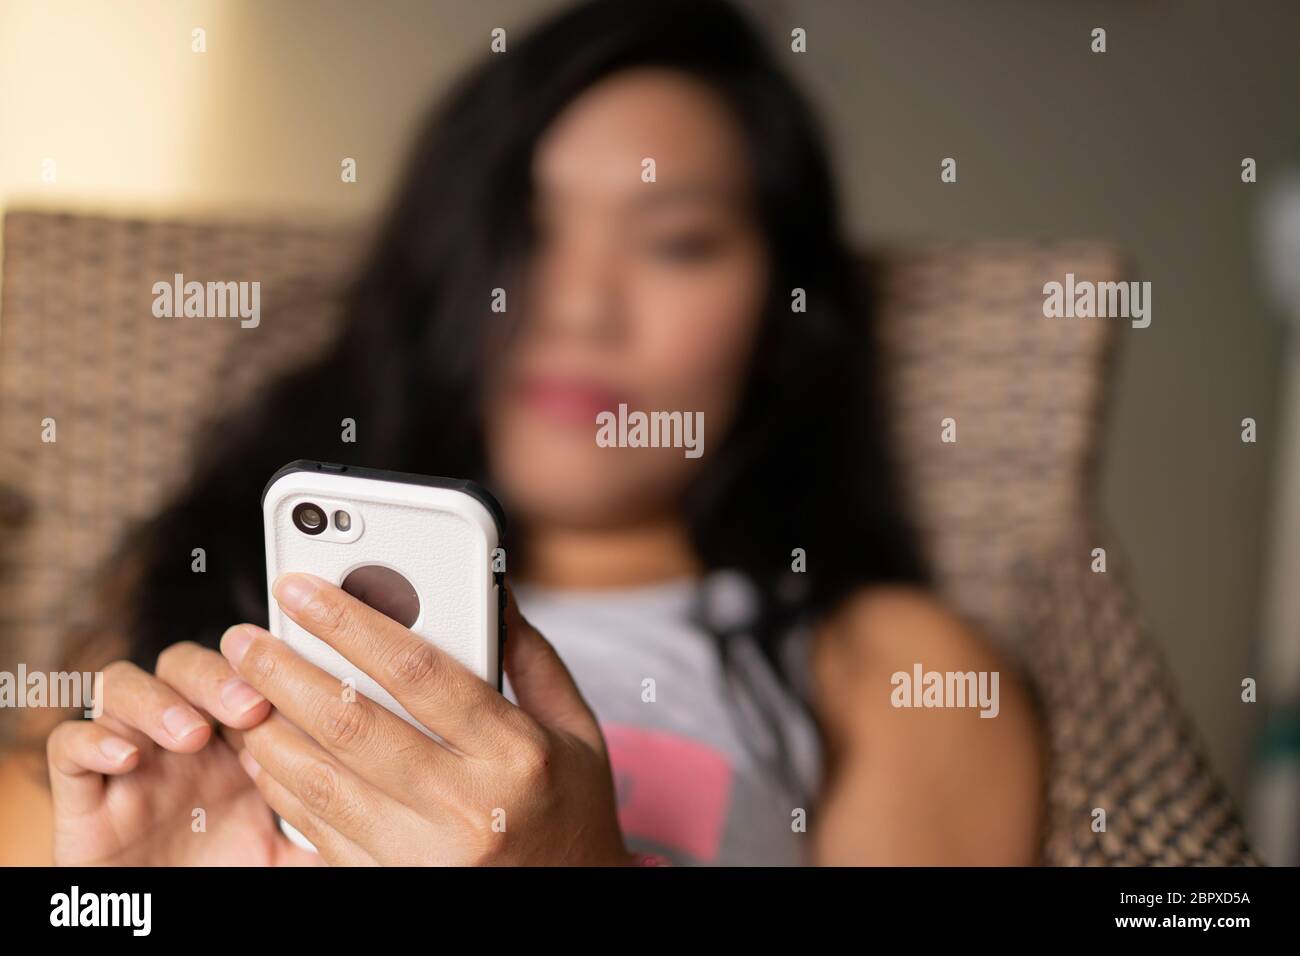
{"x":712,"y":765}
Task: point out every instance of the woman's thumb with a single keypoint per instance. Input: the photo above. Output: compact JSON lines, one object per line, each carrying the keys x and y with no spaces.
{"x":542,"y":684}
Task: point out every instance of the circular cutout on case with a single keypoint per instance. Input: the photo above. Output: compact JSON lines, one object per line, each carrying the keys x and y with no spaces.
{"x":387,"y":591}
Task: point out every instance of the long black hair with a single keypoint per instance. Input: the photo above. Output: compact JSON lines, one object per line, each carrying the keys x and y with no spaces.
{"x":805,"y":465}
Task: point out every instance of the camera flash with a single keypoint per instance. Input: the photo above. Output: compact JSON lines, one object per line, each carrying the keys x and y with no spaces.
{"x":342,"y":521}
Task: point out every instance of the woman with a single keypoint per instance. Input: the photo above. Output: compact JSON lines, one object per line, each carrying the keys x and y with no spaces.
{"x":646,"y":192}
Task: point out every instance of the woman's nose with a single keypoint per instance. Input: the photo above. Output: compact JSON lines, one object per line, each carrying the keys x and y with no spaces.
{"x":579,"y":294}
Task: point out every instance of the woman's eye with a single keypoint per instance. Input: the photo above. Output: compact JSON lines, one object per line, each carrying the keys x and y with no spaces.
{"x":689,"y":247}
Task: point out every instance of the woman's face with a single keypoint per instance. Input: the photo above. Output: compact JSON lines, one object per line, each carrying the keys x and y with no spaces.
{"x":640,"y":293}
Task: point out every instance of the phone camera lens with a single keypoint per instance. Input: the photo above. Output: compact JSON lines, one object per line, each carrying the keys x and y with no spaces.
{"x":308,"y":518}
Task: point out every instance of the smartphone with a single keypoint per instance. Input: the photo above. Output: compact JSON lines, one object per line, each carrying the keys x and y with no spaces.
{"x":422,"y":550}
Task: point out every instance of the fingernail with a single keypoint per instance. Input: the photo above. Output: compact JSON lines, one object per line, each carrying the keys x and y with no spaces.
{"x":235,"y":642}
{"x":238,"y":697}
{"x":294,"y":591}
{"x":117,"y":751}
{"x":181,"y":721}
{"x":250,"y":765}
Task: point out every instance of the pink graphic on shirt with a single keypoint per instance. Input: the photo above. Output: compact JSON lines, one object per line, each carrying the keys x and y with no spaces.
{"x":671,"y":789}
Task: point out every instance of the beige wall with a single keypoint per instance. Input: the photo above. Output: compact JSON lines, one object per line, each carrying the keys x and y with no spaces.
{"x":1140,"y":145}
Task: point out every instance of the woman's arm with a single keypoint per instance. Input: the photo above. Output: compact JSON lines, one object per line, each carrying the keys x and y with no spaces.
{"x":917,"y":785}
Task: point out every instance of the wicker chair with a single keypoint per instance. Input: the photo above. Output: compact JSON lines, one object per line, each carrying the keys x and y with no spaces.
{"x":1007,"y":511}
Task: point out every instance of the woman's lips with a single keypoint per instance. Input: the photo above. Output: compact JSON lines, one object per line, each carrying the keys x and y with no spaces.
{"x":568,"y":401}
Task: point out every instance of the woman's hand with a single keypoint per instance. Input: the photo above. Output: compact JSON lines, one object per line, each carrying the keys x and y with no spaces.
{"x":128,"y":786}
{"x":527,"y":784}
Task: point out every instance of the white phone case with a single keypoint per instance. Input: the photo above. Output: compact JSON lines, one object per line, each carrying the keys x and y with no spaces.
{"x":440,"y":534}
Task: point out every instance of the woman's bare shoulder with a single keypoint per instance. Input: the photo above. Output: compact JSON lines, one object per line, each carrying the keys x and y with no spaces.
{"x":884,"y":629}
{"x":875,"y":612}
{"x":929,"y":726}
